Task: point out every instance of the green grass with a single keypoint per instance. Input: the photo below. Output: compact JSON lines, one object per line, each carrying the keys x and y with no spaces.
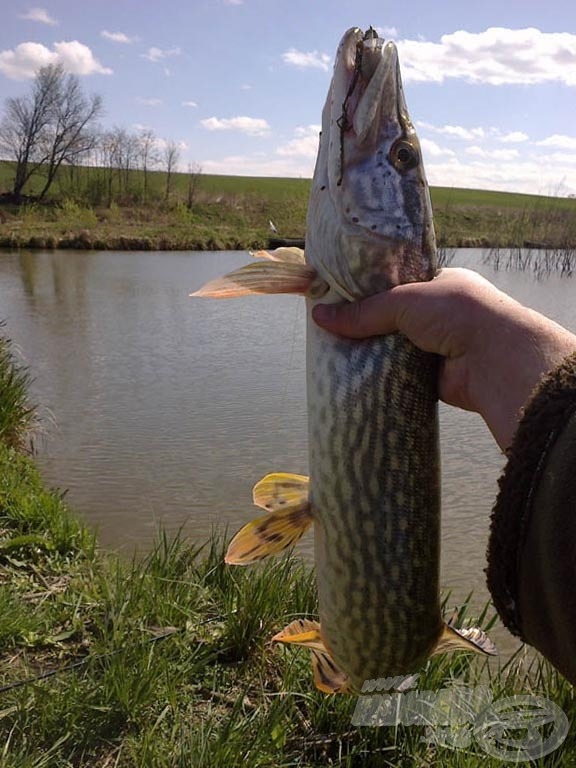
{"x":179,"y":670}
{"x":17,"y":416}
{"x":234,"y":211}
{"x":166,"y":662}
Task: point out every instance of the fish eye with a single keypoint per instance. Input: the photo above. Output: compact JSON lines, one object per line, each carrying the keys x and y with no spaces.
{"x":404,"y":155}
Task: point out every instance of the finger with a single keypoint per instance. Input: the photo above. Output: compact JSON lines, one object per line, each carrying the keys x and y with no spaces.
{"x":373,"y":316}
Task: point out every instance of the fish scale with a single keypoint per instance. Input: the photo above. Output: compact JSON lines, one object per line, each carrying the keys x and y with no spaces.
{"x":374,"y":491}
{"x":375,"y":466}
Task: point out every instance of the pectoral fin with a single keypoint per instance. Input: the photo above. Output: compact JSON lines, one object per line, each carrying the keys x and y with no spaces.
{"x":265,"y":277}
{"x":286,"y":497}
{"x":464,"y":639}
{"x":328,"y":677}
{"x":290,"y":255}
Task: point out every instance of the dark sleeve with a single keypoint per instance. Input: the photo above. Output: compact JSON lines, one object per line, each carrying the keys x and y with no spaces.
{"x":532,"y":547}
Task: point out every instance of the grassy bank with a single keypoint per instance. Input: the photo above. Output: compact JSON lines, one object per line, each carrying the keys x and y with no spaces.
{"x":166,"y":662}
{"x":227,"y":212}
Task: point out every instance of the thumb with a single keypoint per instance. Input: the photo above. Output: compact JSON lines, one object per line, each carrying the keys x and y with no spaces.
{"x":373,"y":316}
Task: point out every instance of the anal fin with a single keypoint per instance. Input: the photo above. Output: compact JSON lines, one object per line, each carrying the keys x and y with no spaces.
{"x":328,"y":677}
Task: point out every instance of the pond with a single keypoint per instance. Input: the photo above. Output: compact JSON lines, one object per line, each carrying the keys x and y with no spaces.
{"x":163,"y":410}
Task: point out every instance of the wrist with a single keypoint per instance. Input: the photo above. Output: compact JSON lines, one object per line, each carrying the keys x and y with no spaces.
{"x":534,"y":347}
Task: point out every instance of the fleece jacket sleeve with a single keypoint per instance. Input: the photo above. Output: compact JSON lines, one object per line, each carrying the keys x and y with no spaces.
{"x":532,"y":547}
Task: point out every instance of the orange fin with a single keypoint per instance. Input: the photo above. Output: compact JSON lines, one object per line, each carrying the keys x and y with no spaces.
{"x":279,"y":490}
{"x":265,"y":277}
{"x":302,"y":632}
{"x":464,"y":639}
{"x":269,"y":534}
{"x":328,"y":677}
{"x":290,"y":255}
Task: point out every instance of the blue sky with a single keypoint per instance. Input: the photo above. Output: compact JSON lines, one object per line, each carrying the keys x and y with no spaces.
{"x":240,"y":84}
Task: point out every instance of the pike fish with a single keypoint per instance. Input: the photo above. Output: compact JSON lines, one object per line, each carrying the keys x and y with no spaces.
{"x":373,"y":494}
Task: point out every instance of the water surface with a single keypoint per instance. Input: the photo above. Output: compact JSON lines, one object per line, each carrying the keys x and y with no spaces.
{"x":167,"y":409}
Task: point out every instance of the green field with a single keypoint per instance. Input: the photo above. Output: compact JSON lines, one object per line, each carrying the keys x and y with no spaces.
{"x":100,"y":209}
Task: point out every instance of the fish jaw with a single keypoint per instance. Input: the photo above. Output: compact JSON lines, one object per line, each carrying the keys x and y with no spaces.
{"x":370,"y":221}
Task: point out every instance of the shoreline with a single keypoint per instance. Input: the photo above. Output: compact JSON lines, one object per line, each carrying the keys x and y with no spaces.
{"x":83,"y":241}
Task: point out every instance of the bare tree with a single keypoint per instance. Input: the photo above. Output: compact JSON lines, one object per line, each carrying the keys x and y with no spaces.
{"x":70,"y":135}
{"x":171,"y":160}
{"x":118,"y":152}
{"x":25,"y":123}
{"x":106,"y":159}
{"x":149,"y":156}
{"x":194,"y":173}
{"x":51,"y":126}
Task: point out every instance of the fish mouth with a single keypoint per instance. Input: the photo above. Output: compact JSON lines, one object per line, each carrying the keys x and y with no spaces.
{"x":367,"y":76}
{"x":369,"y":219}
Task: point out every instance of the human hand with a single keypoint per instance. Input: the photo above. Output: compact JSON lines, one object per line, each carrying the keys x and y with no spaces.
{"x":495,"y":350}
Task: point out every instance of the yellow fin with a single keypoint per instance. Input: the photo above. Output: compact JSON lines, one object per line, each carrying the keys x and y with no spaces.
{"x":279,"y":490}
{"x":290,"y":255}
{"x":265,"y":277}
{"x":328,"y":677}
{"x":302,"y":632}
{"x":464,"y":639}
{"x":269,"y":534}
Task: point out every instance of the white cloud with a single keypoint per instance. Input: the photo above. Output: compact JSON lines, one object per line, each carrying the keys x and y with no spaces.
{"x":558,"y":140}
{"x":514,"y":137}
{"x":431,"y":149}
{"x":253,"y":126}
{"x":163,"y":144}
{"x":559,"y":158}
{"x":305,"y":143}
{"x":496,"y":56}
{"x":387,"y":33}
{"x":118,"y":37}
{"x":24,"y":61}
{"x":312,"y":59}
{"x":157,"y":54}
{"x":257,"y":165}
{"x":494,"y":154}
{"x":39,"y":14}
{"x":245,"y":87}
{"x":189,"y":104}
{"x":531,"y":175}
{"x":469,"y":134}
{"x":233,"y":2}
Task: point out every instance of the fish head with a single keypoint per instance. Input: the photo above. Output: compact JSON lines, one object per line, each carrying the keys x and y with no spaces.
{"x":370,"y":223}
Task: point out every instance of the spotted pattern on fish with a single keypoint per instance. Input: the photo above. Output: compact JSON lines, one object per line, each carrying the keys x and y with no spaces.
{"x":375,"y":499}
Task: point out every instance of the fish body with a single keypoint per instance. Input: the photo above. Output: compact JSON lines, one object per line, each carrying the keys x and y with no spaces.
{"x":372,"y":404}
{"x":374,"y":492}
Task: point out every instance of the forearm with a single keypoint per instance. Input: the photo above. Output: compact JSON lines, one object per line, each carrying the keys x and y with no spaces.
{"x":525,"y":347}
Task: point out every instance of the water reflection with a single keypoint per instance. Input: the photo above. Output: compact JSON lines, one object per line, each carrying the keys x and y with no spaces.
{"x":169,"y":410}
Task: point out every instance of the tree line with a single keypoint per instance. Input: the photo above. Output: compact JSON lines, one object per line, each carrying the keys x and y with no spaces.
{"x":55,"y":128}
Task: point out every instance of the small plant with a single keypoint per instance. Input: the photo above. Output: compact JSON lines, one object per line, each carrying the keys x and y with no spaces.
{"x":71,"y":213}
{"x":18,"y":417}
